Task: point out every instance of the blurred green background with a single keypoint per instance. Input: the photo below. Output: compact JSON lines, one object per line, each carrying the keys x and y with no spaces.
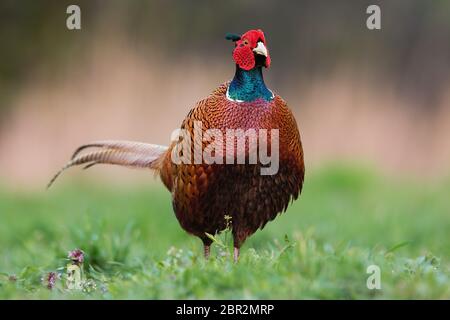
{"x":373,"y":109}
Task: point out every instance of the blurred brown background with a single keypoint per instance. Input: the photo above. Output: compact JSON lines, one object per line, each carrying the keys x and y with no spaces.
{"x":137,"y":67}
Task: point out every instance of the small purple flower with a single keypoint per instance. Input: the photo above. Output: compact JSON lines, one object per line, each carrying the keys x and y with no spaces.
{"x":77,"y":256}
{"x":50,"y":280}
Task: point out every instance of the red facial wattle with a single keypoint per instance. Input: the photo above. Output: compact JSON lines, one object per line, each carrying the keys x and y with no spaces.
{"x":243,"y":54}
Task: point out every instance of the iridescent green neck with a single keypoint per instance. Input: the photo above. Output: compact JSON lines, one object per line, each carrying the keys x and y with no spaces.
{"x":248,"y":86}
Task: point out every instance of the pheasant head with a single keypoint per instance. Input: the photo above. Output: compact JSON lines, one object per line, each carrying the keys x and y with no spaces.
{"x":250,"y":49}
{"x":250,"y":54}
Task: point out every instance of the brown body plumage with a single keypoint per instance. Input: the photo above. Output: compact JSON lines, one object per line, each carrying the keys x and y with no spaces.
{"x":203,"y":194}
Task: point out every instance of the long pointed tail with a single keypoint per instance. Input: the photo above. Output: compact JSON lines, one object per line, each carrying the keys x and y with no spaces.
{"x":123,"y":153}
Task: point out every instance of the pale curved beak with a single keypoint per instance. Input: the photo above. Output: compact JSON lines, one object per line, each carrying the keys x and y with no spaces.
{"x":261,"y":49}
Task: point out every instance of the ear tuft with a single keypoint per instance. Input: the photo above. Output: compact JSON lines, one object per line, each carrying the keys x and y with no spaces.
{"x":233,"y":37}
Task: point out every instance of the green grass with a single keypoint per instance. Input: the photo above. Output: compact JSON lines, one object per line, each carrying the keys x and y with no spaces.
{"x":345,"y":220}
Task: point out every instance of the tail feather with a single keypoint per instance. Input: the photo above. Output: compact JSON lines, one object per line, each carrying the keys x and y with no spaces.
{"x":117,"y":152}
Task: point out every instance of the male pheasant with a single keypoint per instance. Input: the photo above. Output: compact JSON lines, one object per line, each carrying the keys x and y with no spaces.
{"x":205,"y":193}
